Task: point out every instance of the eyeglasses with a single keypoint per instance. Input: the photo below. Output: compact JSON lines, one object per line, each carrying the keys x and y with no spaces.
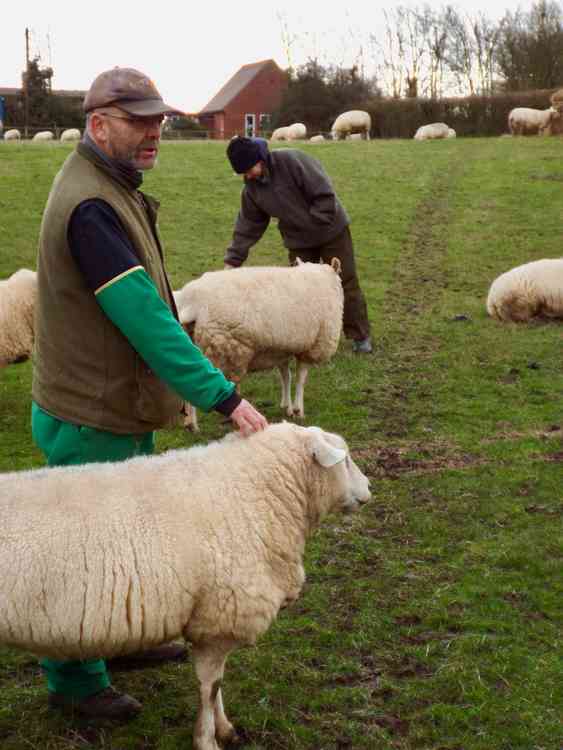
{"x":140,"y":122}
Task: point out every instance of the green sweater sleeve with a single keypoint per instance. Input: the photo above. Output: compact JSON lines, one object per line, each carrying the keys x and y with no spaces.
{"x":133,"y":304}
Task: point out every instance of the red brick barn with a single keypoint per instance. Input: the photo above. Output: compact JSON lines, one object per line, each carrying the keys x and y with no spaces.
{"x":246,"y":102}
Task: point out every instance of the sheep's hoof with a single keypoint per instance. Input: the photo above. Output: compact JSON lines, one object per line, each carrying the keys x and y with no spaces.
{"x":231,"y":740}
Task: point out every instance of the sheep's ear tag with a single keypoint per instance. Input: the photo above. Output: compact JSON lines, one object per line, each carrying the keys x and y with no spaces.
{"x":324,"y":453}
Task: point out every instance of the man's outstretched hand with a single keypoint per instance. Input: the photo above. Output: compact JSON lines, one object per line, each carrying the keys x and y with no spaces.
{"x":248,"y":419}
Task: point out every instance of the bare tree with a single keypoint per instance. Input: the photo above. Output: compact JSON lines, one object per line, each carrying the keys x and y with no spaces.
{"x":402,"y":53}
{"x":530,"y":48}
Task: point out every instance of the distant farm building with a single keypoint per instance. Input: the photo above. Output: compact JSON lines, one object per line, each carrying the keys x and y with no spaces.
{"x":245,"y":104}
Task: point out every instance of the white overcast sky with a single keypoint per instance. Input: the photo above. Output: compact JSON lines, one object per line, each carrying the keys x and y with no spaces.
{"x":191,"y":49}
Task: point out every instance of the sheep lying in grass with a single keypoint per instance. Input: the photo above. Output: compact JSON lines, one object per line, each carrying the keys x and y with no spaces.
{"x":294,"y":132}
{"x":70,"y":134}
{"x":353,"y":121}
{"x":17,"y":305}
{"x":43,"y":136}
{"x":527,"y":121}
{"x":12,"y":135}
{"x":260,"y":318}
{"x":206,"y":543}
{"x":534,"y":289}
{"x":319,"y":138}
{"x":433,"y":131}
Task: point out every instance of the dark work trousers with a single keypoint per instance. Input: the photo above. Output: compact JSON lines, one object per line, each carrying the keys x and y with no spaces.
{"x":355,"y":324}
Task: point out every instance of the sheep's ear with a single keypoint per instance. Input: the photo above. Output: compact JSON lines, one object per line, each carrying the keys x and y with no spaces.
{"x":324,"y":453}
{"x":336,"y":265}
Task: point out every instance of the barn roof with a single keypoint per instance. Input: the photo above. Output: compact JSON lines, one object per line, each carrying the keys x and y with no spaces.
{"x":234,"y":86}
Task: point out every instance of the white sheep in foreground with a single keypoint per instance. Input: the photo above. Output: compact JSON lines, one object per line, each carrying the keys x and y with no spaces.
{"x":530,"y":290}
{"x":319,"y":138}
{"x":43,"y":136}
{"x":206,"y":543}
{"x":260,"y":318}
{"x":353,"y":121}
{"x":17,"y":306}
{"x":70,"y":134}
{"x":12,"y":135}
{"x":527,"y":121}
{"x":432,"y":131}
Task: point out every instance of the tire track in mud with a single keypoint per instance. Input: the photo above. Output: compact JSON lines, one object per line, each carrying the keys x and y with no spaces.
{"x":404,"y":346}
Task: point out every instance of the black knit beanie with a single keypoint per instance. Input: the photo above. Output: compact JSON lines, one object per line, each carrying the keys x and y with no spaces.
{"x":244,"y":153}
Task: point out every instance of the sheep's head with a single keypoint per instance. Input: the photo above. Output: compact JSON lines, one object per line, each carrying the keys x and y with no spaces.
{"x":331,"y":453}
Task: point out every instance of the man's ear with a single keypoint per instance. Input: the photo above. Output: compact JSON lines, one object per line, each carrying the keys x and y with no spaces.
{"x":323,"y":452}
{"x":98,"y":127}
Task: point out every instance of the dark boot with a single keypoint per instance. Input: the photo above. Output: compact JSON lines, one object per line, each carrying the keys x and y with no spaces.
{"x":151,"y":658}
{"x":107,"y":704}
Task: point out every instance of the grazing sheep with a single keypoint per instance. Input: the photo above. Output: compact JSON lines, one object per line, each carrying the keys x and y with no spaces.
{"x":43,"y":136}
{"x":12,"y":135}
{"x":290,"y":132}
{"x":280,"y":134}
{"x":354,"y":121}
{"x":259,"y":318}
{"x":533,"y":289}
{"x":205,"y":543}
{"x":71,"y":134}
{"x":297,"y":131}
{"x":433,"y":131}
{"x":557,"y":100}
{"x":319,"y":138}
{"x":17,"y":305}
{"x":526,"y":121}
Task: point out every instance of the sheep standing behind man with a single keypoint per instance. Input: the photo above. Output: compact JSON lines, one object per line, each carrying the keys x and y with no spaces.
{"x":17,"y":307}
{"x":260,"y":318}
{"x":353,"y":121}
{"x":206,"y":543}
{"x":531,"y":290}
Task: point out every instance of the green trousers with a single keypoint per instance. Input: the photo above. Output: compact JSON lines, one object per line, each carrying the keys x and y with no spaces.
{"x":65,"y":444}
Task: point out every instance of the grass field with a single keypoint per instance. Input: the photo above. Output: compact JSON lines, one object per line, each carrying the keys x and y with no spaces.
{"x":433,"y":619}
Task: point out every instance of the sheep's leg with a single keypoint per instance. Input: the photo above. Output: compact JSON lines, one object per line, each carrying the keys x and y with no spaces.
{"x":285,"y":378}
{"x":212,"y":725}
{"x":190,"y":418}
{"x":300,"y":380}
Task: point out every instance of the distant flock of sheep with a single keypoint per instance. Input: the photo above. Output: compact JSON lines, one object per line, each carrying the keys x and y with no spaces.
{"x":68,"y":135}
{"x":356,"y":125}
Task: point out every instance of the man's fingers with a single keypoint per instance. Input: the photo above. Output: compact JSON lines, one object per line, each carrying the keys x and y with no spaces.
{"x":248,"y":419}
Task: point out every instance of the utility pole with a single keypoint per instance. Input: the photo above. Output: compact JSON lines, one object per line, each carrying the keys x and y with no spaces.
{"x":26,"y":83}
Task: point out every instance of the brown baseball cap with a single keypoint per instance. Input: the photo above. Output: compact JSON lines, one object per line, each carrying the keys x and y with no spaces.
{"x":128,"y":89}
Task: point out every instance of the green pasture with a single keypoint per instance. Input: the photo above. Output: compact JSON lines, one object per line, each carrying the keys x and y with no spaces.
{"x":432,"y":620}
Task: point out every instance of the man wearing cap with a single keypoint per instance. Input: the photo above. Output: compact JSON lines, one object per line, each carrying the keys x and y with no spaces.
{"x":112,"y":363}
{"x":293,"y":187}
